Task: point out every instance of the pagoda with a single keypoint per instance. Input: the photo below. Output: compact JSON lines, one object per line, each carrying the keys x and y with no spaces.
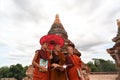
{"x":58,"y":29}
{"x":115,"y":50}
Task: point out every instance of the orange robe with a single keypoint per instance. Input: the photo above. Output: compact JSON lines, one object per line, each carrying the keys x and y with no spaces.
{"x":37,"y":75}
{"x":74,"y":70}
{"x":56,"y":74}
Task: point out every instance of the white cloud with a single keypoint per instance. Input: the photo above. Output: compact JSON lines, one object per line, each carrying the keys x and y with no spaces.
{"x":90,"y":25}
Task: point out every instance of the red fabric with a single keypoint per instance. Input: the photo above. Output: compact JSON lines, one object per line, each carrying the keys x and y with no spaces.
{"x":40,"y":75}
{"x":52,"y":39}
{"x":56,"y":74}
{"x":37,"y":75}
{"x":72,"y":71}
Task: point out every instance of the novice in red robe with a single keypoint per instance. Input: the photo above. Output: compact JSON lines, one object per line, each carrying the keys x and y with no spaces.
{"x":57,"y":71}
{"x":74,"y":64}
{"x":41,"y":72}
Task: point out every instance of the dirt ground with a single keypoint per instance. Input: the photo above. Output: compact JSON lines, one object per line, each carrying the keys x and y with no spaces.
{"x":103,"y":76}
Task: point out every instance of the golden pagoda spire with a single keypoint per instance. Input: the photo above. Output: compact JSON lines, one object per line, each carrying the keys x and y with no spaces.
{"x":57,"y":20}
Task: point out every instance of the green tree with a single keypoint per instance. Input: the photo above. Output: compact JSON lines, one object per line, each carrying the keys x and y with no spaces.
{"x":17,"y":71}
{"x":4,"y":72}
{"x":93,"y":68}
{"x":24,"y":70}
{"x":101,"y":65}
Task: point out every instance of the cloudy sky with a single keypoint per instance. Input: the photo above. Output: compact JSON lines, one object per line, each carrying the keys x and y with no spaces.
{"x":90,"y":24}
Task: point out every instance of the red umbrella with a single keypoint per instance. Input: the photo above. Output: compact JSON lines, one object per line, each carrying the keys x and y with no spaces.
{"x":52,"y":40}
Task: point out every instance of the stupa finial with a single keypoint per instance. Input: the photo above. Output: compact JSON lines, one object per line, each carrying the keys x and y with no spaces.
{"x":118,"y":22}
{"x":57,"y":20}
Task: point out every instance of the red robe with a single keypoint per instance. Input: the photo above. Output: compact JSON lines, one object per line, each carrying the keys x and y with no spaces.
{"x":37,"y":75}
{"x":74,"y":71}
